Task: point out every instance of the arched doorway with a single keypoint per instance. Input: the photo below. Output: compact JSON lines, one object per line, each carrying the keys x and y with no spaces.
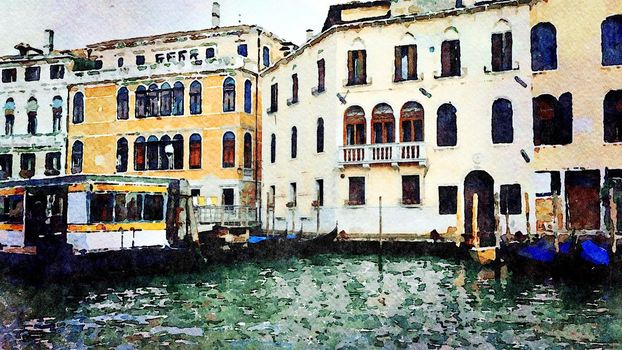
{"x":481,"y":183}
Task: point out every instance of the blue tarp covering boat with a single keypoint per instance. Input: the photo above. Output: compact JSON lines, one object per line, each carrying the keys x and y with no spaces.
{"x":591,"y":252}
{"x":542,"y":251}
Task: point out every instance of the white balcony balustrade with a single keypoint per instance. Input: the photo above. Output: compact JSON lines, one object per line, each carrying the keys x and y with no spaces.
{"x":389,"y":153}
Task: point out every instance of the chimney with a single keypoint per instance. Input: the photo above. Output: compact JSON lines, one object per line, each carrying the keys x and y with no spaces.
{"x":309,"y":34}
{"x":50,"y":36}
{"x":215,"y":14}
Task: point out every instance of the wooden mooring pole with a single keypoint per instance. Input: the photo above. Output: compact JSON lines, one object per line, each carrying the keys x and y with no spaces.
{"x":380,"y":233}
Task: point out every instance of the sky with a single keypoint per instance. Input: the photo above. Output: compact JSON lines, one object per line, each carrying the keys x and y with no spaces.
{"x":77,"y":23}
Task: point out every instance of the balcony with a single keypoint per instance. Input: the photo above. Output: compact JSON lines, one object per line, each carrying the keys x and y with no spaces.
{"x":384,"y":153}
{"x":27,"y":141}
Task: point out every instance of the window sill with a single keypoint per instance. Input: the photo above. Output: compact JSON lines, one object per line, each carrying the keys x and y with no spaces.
{"x":537,"y":148}
{"x":411,"y":206}
{"x":271,"y":111}
{"x":316,"y":92}
{"x":347,"y":84}
{"x":545,"y":71}
{"x":463,"y":73}
{"x":354,"y":206}
{"x":491,"y":72}
{"x":445,"y":148}
{"x":291,"y":102}
{"x":611,"y":67}
{"x":406,"y":81}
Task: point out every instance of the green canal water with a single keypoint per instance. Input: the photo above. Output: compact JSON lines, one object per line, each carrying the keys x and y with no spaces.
{"x":323,"y":302}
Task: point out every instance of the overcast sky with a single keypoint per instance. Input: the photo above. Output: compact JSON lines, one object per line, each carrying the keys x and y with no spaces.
{"x":81,"y":22}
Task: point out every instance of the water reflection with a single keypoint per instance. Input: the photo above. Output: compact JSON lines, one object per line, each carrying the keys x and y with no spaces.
{"x":322,"y":302}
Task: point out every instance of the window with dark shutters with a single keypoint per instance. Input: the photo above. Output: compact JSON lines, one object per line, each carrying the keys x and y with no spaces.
{"x":501,"y":51}
{"x":405,"y":63}
{"x":450,"y":58}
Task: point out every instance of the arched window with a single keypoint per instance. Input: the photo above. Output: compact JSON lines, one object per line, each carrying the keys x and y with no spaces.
{"x":228,"y":150}
{"x":248,"y":96}
{"x":446,"y":126}
{"x":31,"y":109}
{"x":120,"y":62}
{"x":123,"y":103}
{"x":502,"y":126}
{"x":9,"y":115}
{"x":178,"y":151}
{"x":319,"y":136}
{"x":195,"y":98}
{"x":122,"y":151}
{"x":153,"y":153}
{"x":354,"y":122}
{"x":153,"y":103}
{"x":228,"y":95}
{"x":273,"y":148}
{"x":248,"y":151}
{"x":141,"y":102}
{"x":77,"y":152}
{"x":383,"y":124}
{"x":78,"y":108}
{"x":613,"y":116}
{"x":552,"y":120}
{"x":178,"y":98}
{"x":166,"y":99}
{"x":411,"y":121}
{"x":543,"y":47}
{"x":266,"y":56}
{"x":166,"y":153}
{"x":57,"y":113}
{"x":611,"y":41}
{"x":294,"y":143}
{"x":195,"y":151}
{"x":139,"y":153}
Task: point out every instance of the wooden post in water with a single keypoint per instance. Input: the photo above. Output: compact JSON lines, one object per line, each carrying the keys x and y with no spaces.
{"x":474,"y":227}
{"x":613,"y":217}
{"x":317,"y":216}
{"x":527,"y":209}
{"x":380,"y":221}
{"x":497,"y":221}
{"x":555,"y":228}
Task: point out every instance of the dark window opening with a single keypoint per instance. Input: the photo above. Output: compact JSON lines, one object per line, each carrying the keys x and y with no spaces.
{"x":57,"y":71}
{"x":501,"y":52}
{"x":27,"y":165}
{"x":611,"y":41}
{"x":552,"y":120}
{"x":319,"y":136}
{"x":210,"y":52}
{"x":293,"y":194}
{"x":510,"y":199}
{"x":9,"y":115}
{"x":57,"y":114}
{"x":272,"y":148}
{"x":321,"y":75}
{"x":294,"y":88}
{"x":52,"y":164}
{"x":228,"y":197}
{"x":141,"y":102}
{"x":411,"y":193}
{"x":446,"y":126}
{"x":166,"y":99}
{"x":448,"y":200}
{"x":383,"y":124}
{"x":405,"y":63}
{"x":450,"y":59}
{"x":543,"y":47}
{"x":502,"y":127}
{"x":139,"y":153}
{"x":153,"y":207}
{"x":412,"y":122}
{"x":294,"y":143}
{"x":274,"y":98}
{"x":122,"y":154}
{"x":140,"y":60}
{"x":6,"y":166}
{"x":266,"y":56}
{"x":102,"y":207}
{"x":228,"y":95}
{"x":120,"y":62}
{"x":9,"y":75}
{"x":228,"y":150}
{"x":356,"y":192}
{"x":243,"y":50}
{"x":612,"y":120}
{"x":319,"y":187}
{"x":32,"y":73}
{"x":12,"y":209}
{"x":123,"y":103}
{"x":195,"y":151}
{"x":178,"y":98}
{"x":248,"y":151}
{"x":195,"y":98}
{"x":32,"y":106}
{"x":153,"y":153}
{"x":248,"y":96}
{"x":357,"y":67}
{"x":354,"y":122}
{"x":153,"y":101}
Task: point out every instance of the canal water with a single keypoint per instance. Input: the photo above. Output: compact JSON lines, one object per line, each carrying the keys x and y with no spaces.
{"x":326,"y":301}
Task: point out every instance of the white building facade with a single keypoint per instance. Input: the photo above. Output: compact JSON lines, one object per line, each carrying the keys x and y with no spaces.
{"x":423,"y":111}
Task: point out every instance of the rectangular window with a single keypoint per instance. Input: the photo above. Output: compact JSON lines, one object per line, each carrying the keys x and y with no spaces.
{"x":120,"y":208}
{"x":510,"y":198}
{"x":319,"y":189}
{"x":6,"y":166}
{"x":32,"y":73}
{"x":448,"y":200}
{"x":272,"y":198}
{"x":502,"y":52}
{"x":321,"y":75}
{"x":411,"y":193}
{"x":27,"y":165}
{"x":274,"y":98}
{"x":210,"y":52}
{"x":450,"y":59}
{"x":57,"y":71}
{"x":9,"y":75}
{"x":292,"y":195}
{"x":101,"y":207}
{"x":547,"y":183}
{"x":134,"y":207}
{"x":140,"y":60}
{"x":294,"y":88}
{"x":405,"y":63}
{"x":228,"y":197}
{"x":243,"y":50}
{"x":12,"y":209}
{"x":357,"y":67}
{"x":153,"y":207}
{"x":356,"y":191}
{"x":52,"y":163}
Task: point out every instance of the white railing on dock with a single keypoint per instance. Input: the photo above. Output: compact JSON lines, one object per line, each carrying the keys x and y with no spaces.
{"x":382,"y":153}
{"x":228,"y":215}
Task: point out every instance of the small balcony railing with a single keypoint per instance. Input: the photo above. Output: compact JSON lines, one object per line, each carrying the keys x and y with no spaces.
{"x":227,"y":215}
{"x":408,"y":152}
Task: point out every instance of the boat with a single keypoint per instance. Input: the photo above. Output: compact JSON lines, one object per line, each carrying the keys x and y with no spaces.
{"x":484,"y":255}
{"x":89,"y":225}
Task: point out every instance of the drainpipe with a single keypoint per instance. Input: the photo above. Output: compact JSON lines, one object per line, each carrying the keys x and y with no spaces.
{"x":256,"y":170}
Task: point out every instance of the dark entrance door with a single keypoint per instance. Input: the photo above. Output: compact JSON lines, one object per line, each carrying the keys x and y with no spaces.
{"x":46,"y":215}
{"x":583,"y":196}
{"x":480,"y":183}
{"x":227,"y":197}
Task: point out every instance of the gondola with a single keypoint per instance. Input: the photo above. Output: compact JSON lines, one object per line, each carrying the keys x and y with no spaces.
{"x":276,"y":246}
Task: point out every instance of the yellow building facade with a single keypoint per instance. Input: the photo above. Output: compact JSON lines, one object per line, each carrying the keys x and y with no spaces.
{"x":186,"y":109}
